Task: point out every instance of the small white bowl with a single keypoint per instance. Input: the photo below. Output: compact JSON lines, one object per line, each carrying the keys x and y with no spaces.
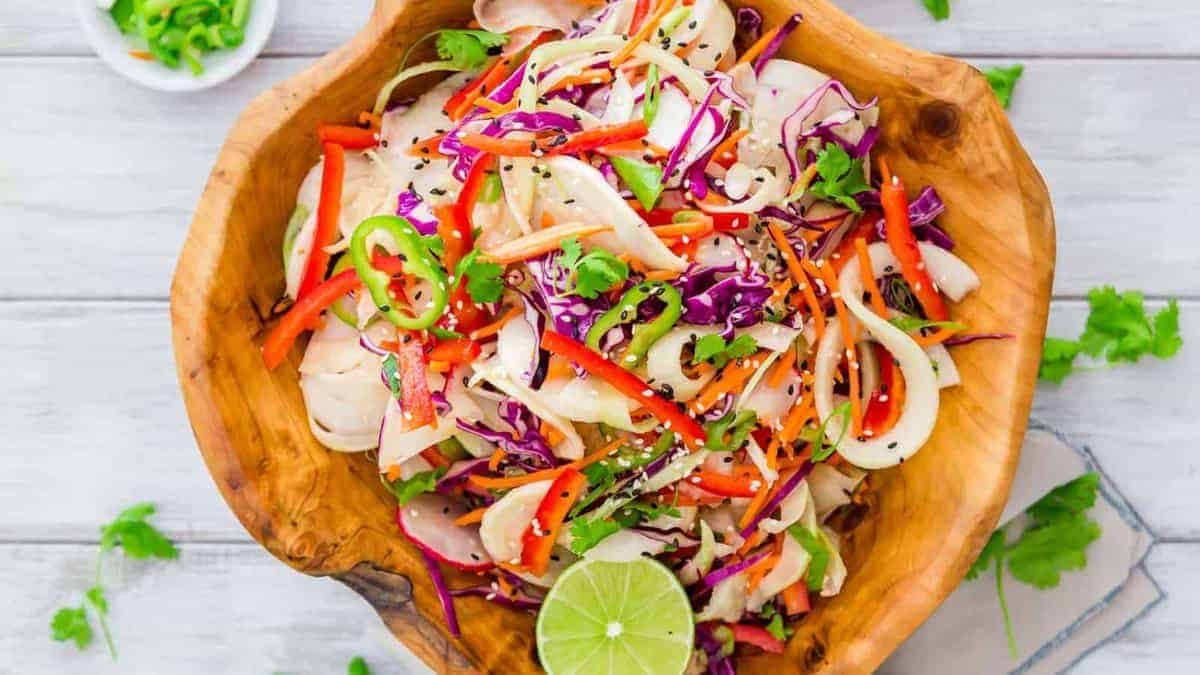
{"x":113,"y":47}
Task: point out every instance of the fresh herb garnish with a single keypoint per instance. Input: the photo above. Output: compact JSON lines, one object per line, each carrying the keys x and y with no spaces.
{"x":938,"y":9}
{"x":468,"y":48}
{"x":405,"y":490}
{"x":1118,"y":329}
{"x":816,"y":546}
{"x":139,"y":540}
{"x":1003,"y":81}
{"x":485,"y":281}
{"x":1054,"y":543}
{"x":595,"y":272}
{"x":587,"y":532}
{"x":821,"y":449}
{"x":737,"y":424}
{"x":841,"y":177}
{"x":391,"y":374}
{"x":358,"y":666}
{"x":714,"y":349}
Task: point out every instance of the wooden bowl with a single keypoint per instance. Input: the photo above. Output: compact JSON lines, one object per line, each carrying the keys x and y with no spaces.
{"x":325,"y":513}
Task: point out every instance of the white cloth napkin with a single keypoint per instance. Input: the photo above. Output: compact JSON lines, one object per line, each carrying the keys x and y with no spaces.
{"x":1054,"y":628}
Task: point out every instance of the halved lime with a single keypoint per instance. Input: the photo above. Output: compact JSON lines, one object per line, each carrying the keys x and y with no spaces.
{"x":609,"y":617}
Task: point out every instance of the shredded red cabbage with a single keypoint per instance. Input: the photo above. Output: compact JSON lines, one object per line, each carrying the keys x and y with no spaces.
{"x":718,"y":651}
{"x":458,"y":474}
{"x":747,"y":27}
{"x":671,"y":168}
{"x":528,"y":449}
{"x":792,"y":129}
{"x":717,"y":576}
{"x":781,"y":494}
{"x":439,"y":584}
{"x":410,"y":205}
{"x":776,"y":42}
{"x":922,"y":211}
{"x":571,"y":314}
{"x":736,"y":300}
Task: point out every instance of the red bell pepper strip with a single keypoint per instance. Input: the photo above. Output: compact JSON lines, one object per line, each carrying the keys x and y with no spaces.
{"x":415,"y":400}
{"x":903,"y":243}
{"x":538,"y":540}
{"x":729,"y":222}
{"x":640,"y":10}
{"x":303,"y":314}
{"x":458,"y":105}
{"x":350,"y":138}
{"x":657,"y":216}
{"x":758,"y":636}
{"x":329,"y":211}
{"x":464,"y":206}
{"x":456,"y":351}
{"x":884,"y":407}
{"x":628,"y":384}
{"x":726,"y":485}
{"x":559,"y":144}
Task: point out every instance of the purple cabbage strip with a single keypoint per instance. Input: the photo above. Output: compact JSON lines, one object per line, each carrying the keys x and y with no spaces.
{"x":708,"y":301}
{"x":529,"y":450}
{"x":669,"y":536}
{"x":719,"y":662}
{"x":829,"y":241}
{"x":793,"y":219}
{"x":492,"y":595}
{"x":459,"y":472}
{"x":532,"y":310}
{"x":792,"y":129}
{"x":410,"y":205}
{"x":780,"y":495}
{"x":922,"y":211}
{"x":694,"y":176}
{"x":748,"y":25}
{"x":776,"y":42}
{"x":368,"y":344}
{"x":967,"y":338}
{"x":439,"y":584}
{"x":571,"y":314}
{"x":517,"y":120}
{"x":824,"y":131}
{"x":440,"y":403}
{"x":677,"y":152}
{"x":717,"y":576}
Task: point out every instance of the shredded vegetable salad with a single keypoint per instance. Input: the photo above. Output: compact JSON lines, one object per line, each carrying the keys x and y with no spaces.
{"x":625,"y":285}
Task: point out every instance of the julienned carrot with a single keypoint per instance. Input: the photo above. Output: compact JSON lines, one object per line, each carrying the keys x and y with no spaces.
{"x":758,"y":47}
{"x":797,"y":270}
{"x":470,"y":517}
{"x":691,"y":228}
{"x":427,"y":147}
{"x":867,"y":271}
{"x":759,"y":501}
{"x":724,"y":154}
{"x":781,"y":369}
{"x":589,"y":76}
{"x":937,"y":337}
{"x":639,"y":145}
{"x":756,"y":572}
{"x":731,"y":378}
{"x":541,"y":241}
{"x":494,"y":460}
{"x":642,"y":33}
{"x":661,"y":275}
{"x":757,"y":537}
{"x":507,"y":482}
{"x":825,"y":271}
{"x":370,"y":120}
{"x":495,"y":326}
{"x":795,"y":598}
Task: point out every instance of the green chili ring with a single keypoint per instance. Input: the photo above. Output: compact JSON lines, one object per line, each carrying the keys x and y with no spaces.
{"x":625,"y":311}
{"x":418,"y":261}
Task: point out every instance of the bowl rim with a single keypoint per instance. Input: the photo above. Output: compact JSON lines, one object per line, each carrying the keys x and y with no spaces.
{"x":112,"y":47}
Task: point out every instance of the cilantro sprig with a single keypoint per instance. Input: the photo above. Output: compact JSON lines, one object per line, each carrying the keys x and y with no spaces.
{"x":138,"y":539}
{"x":587,"y":532}
{"x":841,"y":177}
{"x":1118,"y":330}
{"x":938,"y":9}
{"x":715,"y":350}
{"x":465,"y":49}
{"x":1003,"y":81}
{"x":1056,"y":541}
{"x":485,"y":282}
{"x":405,"y":490}
{"x":595,"y":272}
{"x":358,"y":666}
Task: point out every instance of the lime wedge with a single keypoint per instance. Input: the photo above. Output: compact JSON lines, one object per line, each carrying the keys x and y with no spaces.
{"x":608,"y":617}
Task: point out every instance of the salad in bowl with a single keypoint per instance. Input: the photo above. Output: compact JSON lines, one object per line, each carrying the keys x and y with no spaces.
{"x":626,"y":307}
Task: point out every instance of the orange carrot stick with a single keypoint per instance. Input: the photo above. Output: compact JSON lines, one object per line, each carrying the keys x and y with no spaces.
{"x":867,"y":270}
{"x":825,"y":271}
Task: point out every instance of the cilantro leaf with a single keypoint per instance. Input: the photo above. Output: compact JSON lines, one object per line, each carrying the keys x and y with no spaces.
{"x":938,"y":9}
{"x":600,"y":479}
{"x":1003,"y":81}
{"x":841,"y":177}
{"x":391,"y":374}
{"x":586,"y":533}
{"x":714,"y":349}
{"x":818,"y":548}
{"x":910,"y":324}
{"x":595,"y":272}
{"x":485,"y":281}
{"x":469,"y":48}
{"x":1066,"y":500}
{"x":71,"y":624}
{"x":993,"y":550}
{"x":140,"y":539}
{"x":358,"y":666}
{"x":1044,"y":552}
{"x":1166,"y":331}
{"x":405,"y":490}
{"x":1058,"y":359}
{"x":95,"y":596}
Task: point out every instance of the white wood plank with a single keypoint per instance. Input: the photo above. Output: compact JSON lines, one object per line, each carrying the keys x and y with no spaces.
{"x":91,"y":411}
{"x":1064,"y":27}
{"x":1048,"y":27}
{"x":233,"y":609}
{"x":229,"y":609}
{"x":39,"y":28}
{"x":1119,"y":151}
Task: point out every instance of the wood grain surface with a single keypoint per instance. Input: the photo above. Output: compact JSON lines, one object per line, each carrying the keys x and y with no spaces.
{"x":324,"y":514}
{"x":98,"y":183}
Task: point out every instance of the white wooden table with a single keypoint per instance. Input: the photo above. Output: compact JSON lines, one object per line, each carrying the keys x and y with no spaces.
{"x":98,"y":179}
